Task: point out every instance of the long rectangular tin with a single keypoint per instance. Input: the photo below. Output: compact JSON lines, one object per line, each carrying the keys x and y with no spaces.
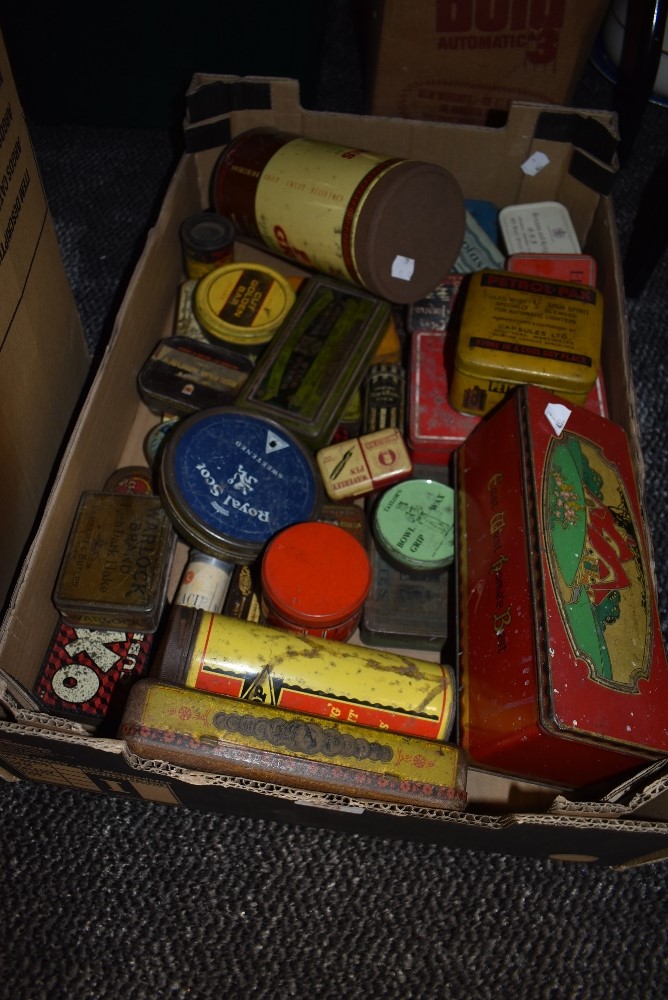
{"x":564,"y":673}
{"x":315,"y":361}
{"x":213,"y":733}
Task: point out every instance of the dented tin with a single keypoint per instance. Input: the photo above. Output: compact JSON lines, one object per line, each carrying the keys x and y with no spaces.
{"x":229,"y":480}
{"x":306,"y":673}
{"x":209,"y":732}
{"x":564,"y":673}
{"x":523,"y":329}
{"x":307,"y":375}
{"x":116,"y":564}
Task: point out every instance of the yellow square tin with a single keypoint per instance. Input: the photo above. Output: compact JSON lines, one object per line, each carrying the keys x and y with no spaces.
{"x":518,"y":329}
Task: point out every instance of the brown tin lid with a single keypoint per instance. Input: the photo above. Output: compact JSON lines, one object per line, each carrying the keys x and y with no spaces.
{"x":409,"y":231}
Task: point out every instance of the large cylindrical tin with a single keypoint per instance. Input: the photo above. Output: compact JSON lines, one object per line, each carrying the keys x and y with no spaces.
{"x":303,"y":673}
{"x":392,"y":225}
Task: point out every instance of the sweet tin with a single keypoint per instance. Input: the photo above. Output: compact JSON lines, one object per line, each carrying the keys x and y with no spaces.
{"x":229,"y":480}
{"x":564,"y":675}
{"x":307,"y":375}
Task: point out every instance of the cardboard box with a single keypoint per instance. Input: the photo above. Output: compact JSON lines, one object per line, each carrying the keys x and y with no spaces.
{"x":466,"y":61}
{"x":504,"y":815}
{"x":44,"y":359}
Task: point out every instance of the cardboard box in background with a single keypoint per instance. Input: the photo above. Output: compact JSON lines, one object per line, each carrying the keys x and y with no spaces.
{"x":44,"y":359}
{"x":466,"y":60}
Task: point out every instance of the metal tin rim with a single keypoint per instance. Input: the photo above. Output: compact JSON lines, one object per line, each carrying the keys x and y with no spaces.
{"x":215,"y":326}
{"x":386,"y":543}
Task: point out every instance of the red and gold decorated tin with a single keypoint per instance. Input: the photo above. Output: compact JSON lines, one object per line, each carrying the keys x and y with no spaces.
{"x":391,"y":225}
{"x":564,"y":673}
{"x":315,"y":579}
{"x":304,"y":673}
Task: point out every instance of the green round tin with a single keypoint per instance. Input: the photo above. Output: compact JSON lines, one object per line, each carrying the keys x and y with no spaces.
{"x":414,"y":524}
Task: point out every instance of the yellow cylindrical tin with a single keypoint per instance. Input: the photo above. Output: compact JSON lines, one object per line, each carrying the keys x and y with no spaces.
{"x":305,"y":673}
{"x":518,"y":329}
{"x":242,"y":304}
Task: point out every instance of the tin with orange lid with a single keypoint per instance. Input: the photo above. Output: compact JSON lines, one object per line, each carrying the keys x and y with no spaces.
{"x":315,"y":578}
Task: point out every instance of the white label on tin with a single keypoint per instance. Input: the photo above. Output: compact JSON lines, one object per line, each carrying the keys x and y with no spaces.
{"x":557,"y":415}
{"x":403,"y":267}
{"x":535,"y":163}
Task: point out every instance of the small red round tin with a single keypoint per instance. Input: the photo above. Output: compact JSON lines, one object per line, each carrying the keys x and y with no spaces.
{"x":315,"y":579}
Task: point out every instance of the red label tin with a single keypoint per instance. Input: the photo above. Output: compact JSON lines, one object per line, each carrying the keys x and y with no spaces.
{"x":315,"y":579}
{"x":564,"y":670}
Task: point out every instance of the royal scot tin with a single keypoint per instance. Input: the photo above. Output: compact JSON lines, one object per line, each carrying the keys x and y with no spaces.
{"x":229,"y":480}
{"x":315,"y":362}
{"x":523,"y":329}
{"x":116,"y":564}
{"x":564,"y":674}
{"x":212,"y":733}
{"x":306,"y":673}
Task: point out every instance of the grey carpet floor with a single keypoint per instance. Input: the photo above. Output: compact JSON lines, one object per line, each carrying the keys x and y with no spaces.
{"x":105,"y":897}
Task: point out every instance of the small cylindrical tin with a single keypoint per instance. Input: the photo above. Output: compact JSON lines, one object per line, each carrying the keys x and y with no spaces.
{"x":414,"y":523}
{"x":204,"y":582}
{"x":130,"y":479}
{"x":392,"y":225}
{"x":207,"y":241}
{"x":242,"y":304}
{"x":315,"y":579}
{"x":230,"y":480}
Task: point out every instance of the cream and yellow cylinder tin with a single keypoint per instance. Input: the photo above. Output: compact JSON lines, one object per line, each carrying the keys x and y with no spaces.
{"x":518,"y":329}
{"x":392,"y":225}
{"x":242,"y":304}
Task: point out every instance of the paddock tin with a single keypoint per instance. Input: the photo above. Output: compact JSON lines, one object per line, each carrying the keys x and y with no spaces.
{"x":564,"y":675}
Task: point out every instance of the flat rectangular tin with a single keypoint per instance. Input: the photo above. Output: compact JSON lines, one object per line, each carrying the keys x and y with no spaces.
{"x":184,"y":375}
{"x":564,"y":672}
{"x":116,"y":565}
{"x":315,"y":361}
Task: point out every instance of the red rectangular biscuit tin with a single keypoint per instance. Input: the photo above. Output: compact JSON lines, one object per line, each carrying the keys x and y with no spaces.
{"x":564,"y":675}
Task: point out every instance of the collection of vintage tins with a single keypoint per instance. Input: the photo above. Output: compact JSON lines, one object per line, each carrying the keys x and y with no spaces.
{"x":390,"y":225}
{"x":315,"y":580}
{"x":230,"y":480}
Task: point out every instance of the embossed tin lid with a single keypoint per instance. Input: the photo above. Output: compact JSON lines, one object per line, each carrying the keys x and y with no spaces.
{"x":414,"y":523}
{"x":230,"y":480}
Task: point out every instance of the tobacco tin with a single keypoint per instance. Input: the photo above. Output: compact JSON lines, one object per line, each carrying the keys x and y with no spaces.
{"x":538,"y":227}
{"x":183,"y":375}
{"x":414,"y":523}
{"x":524,"y":329}
{"x":308,"y":373}
{"x":86,"y":672}
{"x":230,"y":480}
{"x":564,"y":673}
{"x":116,"y":564}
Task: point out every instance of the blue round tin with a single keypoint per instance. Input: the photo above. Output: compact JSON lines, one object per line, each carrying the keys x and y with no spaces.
{"x":229,"y":480}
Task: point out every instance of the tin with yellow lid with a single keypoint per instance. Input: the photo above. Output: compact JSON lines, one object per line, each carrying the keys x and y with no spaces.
{"x":242,"y":304}
{"x":525,"y":329}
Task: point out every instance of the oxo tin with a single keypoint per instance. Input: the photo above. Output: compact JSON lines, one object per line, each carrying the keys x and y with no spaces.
{"x":564,"y":674}
{"x":518,"y":329}
{"x":230,"y":480}
{"x":315,"y":579}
